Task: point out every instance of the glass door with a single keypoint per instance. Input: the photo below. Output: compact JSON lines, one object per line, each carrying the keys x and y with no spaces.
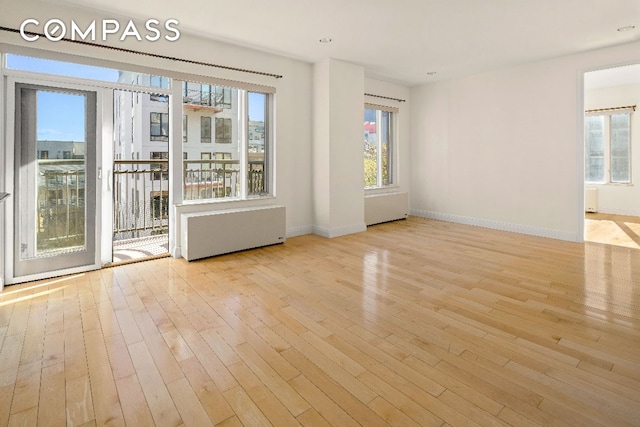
{"x":55,"y":179}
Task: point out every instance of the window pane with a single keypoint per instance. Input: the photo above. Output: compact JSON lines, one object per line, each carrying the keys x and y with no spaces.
{"x":185,"y":128}
{"x":620,"y":148}
{"x":257,"y":147}
{"x":385,"y":129}
{"x":594,"y":149}
{"x":205,"y":129}
{"x":159,"y":128}
{"x":208,"y":175}
{"x":370,"y":149}
{"x":223,"y":130}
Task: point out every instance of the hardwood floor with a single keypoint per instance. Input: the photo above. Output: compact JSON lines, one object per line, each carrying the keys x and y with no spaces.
{"x":415,"y":322}
{"x":619,"y":230}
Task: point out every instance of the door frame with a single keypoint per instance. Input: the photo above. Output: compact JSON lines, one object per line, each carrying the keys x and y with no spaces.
{"x":9,"y":82}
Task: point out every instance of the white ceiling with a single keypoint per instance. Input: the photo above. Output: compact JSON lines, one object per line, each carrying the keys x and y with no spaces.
{"x":401,"y":40}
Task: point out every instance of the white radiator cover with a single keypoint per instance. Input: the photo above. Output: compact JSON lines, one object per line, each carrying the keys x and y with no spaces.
{"x":206,"y":234}
{"x":385,"y":207}
{"x":591,"y":200}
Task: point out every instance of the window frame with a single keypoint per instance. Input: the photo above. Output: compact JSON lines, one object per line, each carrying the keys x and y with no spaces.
{"x":607,"y":135}
{"x":236,"y":152}
{"x":163,"y":120}
{"x":391,"y":143}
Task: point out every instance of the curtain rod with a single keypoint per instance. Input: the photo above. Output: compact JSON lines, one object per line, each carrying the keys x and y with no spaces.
{"x":626,"y":107}
{"x":385,"y":97}
{"x":154,"y":55}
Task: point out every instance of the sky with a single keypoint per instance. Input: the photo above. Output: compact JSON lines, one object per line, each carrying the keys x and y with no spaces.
{"x":61,"y":116}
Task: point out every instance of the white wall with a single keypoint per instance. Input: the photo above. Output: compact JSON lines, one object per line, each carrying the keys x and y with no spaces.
{"x":293,"y":95}
{"x":504,"y":149}
{"x":621,"y":199}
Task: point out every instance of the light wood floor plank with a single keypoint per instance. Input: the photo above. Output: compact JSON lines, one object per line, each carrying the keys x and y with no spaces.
{"x":134,"y":405}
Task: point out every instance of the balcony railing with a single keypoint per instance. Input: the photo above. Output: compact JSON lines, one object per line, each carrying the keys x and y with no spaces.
{"x":61,"y":204}
{"x":141,"y":195}
{"x":141,"y":198}
{"x":212,"y":179}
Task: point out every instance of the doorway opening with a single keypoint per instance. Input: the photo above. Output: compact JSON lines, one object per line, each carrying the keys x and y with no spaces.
{"x":612,"y":156}
{"x":140,"y":176}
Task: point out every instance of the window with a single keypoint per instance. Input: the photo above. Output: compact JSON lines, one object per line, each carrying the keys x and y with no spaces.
{"x":608,"y":147}
{"x":185,"y":128}
{"x":238,"y":146}
{"x":159,"y":126}
{"x":159,"y":205}
{"x":162,"y":166}
{"x":378,"y":148}
{"x":257,"y":143}
{"x":223,"y":131}
{"x":205,"y":129}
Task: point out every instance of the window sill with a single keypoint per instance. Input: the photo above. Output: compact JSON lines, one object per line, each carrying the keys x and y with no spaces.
{"x":381,"y":190}
{"x":222,"y":201}
{"x":608,"y":184}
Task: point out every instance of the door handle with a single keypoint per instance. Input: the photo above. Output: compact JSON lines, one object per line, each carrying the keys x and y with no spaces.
{"x":109,"y":180}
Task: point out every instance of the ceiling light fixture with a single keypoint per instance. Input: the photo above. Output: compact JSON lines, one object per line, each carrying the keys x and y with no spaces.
{"x":627,"y":28}
{"x":326,"y":40}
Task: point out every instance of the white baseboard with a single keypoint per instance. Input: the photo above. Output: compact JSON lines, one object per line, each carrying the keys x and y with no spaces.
{"x":339,"y":231}
{"x":299,"y":231}
{"x":499,"y":225}
{"x":615,"y":211}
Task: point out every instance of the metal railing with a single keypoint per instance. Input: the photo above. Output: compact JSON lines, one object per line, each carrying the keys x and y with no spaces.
{"x":61,"y":204}
{"x":141,"y":198}
{"x":211,"y":179}
{"x":141,"y":195}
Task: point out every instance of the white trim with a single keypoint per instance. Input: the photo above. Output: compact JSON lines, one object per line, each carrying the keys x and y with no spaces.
{"x":499,"y":225}
{"x":580,"y":167}
{"x":616,"y":211}
{"x":299,"y":231}
{"x":3,"y":205}
{"x":339,"y":231}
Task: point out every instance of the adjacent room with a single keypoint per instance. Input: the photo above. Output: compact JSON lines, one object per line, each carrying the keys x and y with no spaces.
{"x":363,"y":213}
{"x":612,"y":161}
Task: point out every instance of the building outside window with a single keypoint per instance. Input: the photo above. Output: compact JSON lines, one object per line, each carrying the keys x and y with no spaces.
{"x":378,"y":148}
{"x":238,"y":163}
{"x":608,"y":147}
